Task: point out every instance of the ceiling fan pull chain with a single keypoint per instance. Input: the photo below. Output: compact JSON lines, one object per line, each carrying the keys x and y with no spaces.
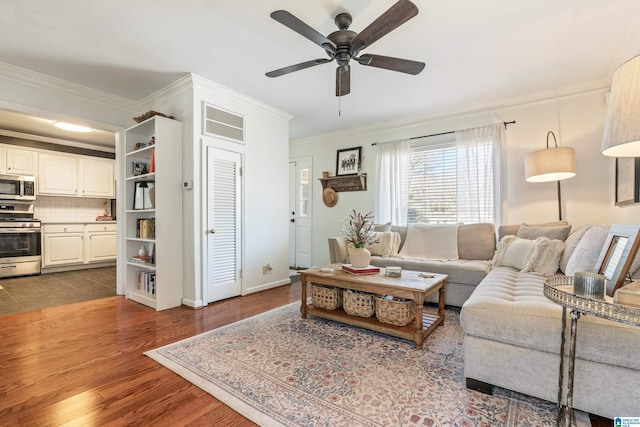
{"x":339,"y":106}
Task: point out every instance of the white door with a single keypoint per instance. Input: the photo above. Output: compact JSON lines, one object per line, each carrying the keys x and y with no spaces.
{"x":292,"y":214}
{"x":300,"y":193}
{"x":223,"y":224}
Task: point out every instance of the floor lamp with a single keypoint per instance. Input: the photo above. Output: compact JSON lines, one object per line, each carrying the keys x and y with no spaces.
{"x":551,"y":164}
{"x":622,"y":128}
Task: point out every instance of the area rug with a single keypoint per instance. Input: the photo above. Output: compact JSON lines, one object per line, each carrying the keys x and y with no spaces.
{"x":280,"y":370}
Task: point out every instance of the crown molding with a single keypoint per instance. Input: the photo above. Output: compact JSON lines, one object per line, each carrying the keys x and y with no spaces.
{"x":183,"y":84}
{"x":63,"y":142}
{"x":202,"y":83}
{"x":36,"y":79}
{"x":491,"y":106}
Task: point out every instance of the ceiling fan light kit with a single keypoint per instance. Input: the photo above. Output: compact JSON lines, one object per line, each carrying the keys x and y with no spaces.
{"x":344,"y":45}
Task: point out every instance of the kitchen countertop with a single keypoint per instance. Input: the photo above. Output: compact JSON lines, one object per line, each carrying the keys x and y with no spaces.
{"x":78,"y":222}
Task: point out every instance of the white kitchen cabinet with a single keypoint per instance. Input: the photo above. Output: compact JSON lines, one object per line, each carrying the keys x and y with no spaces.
{"x":72,"y":175}
{"x":20,"y":162}
{"x":100,"y":242}
{"x":57,"y":174}
{"x":63,"y":244}
{"x":96,"y":177}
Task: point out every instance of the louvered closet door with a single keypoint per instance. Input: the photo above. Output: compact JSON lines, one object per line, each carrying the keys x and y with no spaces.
{"x":223,"y":224}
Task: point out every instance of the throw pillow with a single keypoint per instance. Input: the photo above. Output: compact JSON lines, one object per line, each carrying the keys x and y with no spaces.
{"x":585,"y":255}
{"x":437,"y":242}
{"x":546,"y":257}
{"x":387,"y":244}
{"x":508,"y":230}
{"x":514,"y":252}
{"x":556,"y":232}
{"x":382,"y":227}
{"x":570,"y":244}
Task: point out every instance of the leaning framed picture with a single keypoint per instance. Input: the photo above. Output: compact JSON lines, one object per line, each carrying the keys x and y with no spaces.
{"x":142,"y":196}
{"x":348,"y":161}
{"x":627,"y":180}
{"x":617,"y":254}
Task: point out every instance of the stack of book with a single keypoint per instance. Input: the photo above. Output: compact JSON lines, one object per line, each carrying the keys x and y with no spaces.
{"x":146,"y":228}
{"x":146,"y":259}
{"x":360,"y":270}
{"x":147,"y":282}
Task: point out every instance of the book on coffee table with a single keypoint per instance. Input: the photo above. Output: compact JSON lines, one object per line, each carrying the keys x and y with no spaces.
{"x":360,"y":270}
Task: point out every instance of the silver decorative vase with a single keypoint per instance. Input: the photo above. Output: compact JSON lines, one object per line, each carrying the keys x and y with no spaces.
{"x":589,"y":285}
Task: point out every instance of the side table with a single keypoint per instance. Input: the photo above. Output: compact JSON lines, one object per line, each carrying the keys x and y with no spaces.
{"x":559,"y":289}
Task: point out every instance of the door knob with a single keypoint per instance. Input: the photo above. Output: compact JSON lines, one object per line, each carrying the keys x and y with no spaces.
{"x":212,"y":231}
{"x":293,"y":220}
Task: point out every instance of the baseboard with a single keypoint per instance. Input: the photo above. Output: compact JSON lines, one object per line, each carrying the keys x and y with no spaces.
{"x":60,"y":268}
{"x":266,"y":286}
{"x":191,"y":303}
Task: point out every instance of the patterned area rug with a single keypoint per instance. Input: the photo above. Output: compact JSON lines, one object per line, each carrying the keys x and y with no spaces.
{"x":280,"y":370}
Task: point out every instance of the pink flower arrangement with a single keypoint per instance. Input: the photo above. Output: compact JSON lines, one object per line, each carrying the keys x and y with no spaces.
{"x":358,"y":229}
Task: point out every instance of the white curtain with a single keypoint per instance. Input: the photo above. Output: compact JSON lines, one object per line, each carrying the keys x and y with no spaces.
{"x":478,"y":174}
{"x":392,"y":197}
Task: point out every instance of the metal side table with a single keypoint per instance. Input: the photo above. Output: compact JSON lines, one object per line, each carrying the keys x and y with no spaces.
{"x":559,"y":289}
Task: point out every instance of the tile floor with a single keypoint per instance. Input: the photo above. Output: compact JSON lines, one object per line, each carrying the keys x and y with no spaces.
{"x":28,"y":293}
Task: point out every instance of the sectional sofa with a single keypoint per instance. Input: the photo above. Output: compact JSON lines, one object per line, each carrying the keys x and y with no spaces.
{"x":512,"y":331}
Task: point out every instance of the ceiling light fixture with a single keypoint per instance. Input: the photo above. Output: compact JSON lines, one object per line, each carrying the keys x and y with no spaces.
{"x":622,"y":128}
{"x":71,"y":127}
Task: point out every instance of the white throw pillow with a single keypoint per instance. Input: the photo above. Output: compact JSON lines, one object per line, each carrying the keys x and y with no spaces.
{"x":384,"y":245}
{"x":545,"y":260}
{"x":514,"y":252}
{"x":587,"y":251}
{"x":436,"y":242}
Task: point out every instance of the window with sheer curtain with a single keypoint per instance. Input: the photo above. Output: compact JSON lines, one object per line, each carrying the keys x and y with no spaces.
{"x":452,"y":178}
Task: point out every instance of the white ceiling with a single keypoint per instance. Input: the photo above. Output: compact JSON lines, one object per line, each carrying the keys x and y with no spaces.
{"x":476,"y":51}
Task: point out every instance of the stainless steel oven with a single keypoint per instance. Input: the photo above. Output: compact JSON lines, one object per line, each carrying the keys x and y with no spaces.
{"x":20,"y":240}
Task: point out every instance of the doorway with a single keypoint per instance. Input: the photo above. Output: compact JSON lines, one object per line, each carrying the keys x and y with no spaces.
{"x":300,"y":212}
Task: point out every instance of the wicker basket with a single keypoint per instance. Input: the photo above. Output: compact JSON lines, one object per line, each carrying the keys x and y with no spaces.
{"x":149,"y":114}
{"x":326,"y":297}
{"x":358,"y":303}
{"x":395,"y":312}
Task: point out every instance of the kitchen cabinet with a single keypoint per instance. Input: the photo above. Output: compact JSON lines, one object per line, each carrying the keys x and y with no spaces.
{"x":20,"y":162}
{"x":71,"y":175}
{"x":17,"y":161}
{"x":63,"y":244}
{"x":96,"y":178}
{"x":100,"y":242}
{"x":57,"y":174}
{"x":78,"y":243}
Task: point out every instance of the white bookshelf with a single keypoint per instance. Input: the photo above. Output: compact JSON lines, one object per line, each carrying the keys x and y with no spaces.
{"x":166,"y":211}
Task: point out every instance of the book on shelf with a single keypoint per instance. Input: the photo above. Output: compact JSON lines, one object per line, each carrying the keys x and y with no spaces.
{"x":147,"y":282}
{"x":360,"y":270}
{"x":141,"y":259}
{"x":146,"y":228}
{"x":104,"y":218}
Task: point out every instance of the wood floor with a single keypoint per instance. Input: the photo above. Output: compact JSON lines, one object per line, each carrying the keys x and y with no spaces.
{"x":82,"y":364}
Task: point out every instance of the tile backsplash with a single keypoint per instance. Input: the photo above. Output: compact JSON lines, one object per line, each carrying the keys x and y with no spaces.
{"x":57,"y":209}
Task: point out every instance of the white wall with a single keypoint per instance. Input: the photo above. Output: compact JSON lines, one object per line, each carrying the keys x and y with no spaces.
{"x":576,"y":120}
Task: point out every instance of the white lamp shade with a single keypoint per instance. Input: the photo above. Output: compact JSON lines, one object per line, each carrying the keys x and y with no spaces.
{"x":550,"y":164}
{"x":622,"y":128}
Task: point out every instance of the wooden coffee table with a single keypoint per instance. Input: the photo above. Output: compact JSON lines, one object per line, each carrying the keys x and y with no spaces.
{"x":411,"y":286}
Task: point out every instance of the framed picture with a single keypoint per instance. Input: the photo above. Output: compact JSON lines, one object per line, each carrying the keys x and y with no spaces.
{"x":617,"y":254}
{"x":139,"y":168}
{"x":141,"y":197}
{"x":139,"y":146}
{"x":348,"y":161}
{"x":627,"y":180}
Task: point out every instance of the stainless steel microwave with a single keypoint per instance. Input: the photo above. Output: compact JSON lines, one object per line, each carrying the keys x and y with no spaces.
{"x":17,"y":187}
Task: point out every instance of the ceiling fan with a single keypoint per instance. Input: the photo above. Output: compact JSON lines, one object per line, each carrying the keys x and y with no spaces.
{"x":344,"y":44}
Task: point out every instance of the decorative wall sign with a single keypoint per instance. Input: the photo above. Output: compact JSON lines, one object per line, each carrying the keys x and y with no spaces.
{"x":348,"y":161}
{"x":627,"y":180}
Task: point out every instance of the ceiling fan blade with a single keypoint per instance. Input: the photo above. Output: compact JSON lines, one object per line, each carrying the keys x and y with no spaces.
{"x":297,"y":67}
{"x":288,"y":20}
{"x":343,"y":80}
{"x":395,"y":16}
{"x":393,"y":64}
